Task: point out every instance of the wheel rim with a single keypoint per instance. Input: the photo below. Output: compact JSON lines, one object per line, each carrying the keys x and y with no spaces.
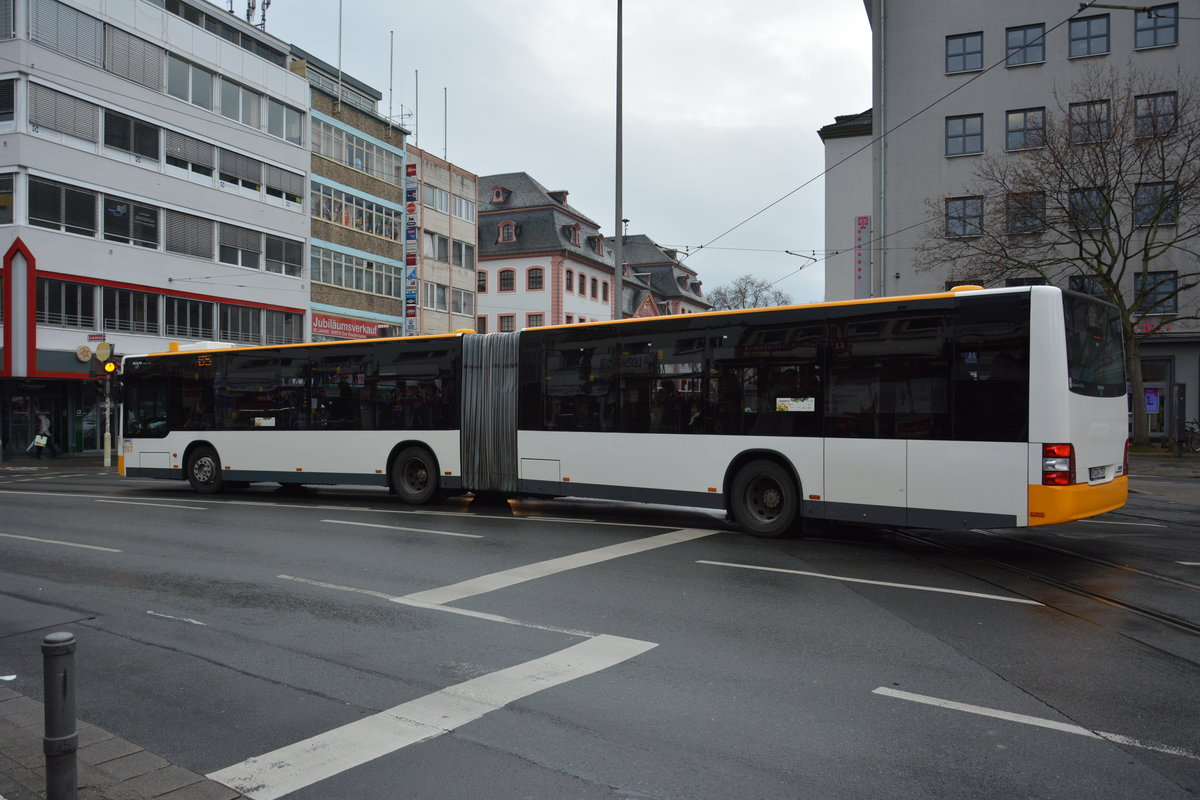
{"x":203,"y":469}
{"x":415,"y":475}
{"x":765,"y":499}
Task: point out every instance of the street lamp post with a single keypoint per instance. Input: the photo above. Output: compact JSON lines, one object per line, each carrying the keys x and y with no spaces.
{"x":618,"y":265}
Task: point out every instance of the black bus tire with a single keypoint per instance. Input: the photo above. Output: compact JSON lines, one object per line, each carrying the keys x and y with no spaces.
{"x":414,"y":476}
{"x":764,"y":499}
{"x":204,"y":470}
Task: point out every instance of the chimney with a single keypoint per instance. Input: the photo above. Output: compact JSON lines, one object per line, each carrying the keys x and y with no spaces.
{"x":560,"y":196}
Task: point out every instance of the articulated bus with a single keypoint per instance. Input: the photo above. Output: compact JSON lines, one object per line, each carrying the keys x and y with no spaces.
{"x":970,"y":408}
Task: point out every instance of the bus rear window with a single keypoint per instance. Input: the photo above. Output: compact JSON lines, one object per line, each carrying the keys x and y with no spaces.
{"x":1095,"y":357}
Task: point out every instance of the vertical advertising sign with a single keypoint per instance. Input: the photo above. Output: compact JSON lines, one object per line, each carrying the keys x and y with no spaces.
{"x":412,"y":239}
{"x":862,"y":257}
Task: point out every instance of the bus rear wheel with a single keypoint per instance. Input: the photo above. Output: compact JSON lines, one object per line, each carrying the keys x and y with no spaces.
{"x":414,"y":476}
{"x":204,"y":470}
{"x":764,"y":500}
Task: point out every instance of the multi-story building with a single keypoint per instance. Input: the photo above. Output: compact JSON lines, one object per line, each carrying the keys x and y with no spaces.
{"x":155,"y":156}
{"x":357,"y":206}
{"x":444,"y":196}
{"x":657,"y":282}
{"x":541,"y":261}
{"x":962,"y":85}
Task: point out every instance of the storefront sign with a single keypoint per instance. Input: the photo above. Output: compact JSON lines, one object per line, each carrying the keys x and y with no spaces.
{"x":343,"y":327}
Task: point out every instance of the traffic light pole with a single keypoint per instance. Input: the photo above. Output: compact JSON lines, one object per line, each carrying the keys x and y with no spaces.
{"x":108,"y":420}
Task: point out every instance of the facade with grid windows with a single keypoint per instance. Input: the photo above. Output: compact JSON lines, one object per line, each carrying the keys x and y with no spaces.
{"x":965,"y":89}
{"x":152,"y":190}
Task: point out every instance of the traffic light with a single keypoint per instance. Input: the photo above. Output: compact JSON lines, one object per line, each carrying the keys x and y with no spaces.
{"x":102,"y":369}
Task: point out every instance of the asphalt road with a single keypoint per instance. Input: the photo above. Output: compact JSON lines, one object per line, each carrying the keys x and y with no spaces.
{"x":331,"y":643}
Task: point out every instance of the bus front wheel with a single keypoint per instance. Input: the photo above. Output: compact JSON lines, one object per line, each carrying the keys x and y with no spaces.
{"x":764,"y":500}
{"x":204,"y":470}
{"x":414,"y":476}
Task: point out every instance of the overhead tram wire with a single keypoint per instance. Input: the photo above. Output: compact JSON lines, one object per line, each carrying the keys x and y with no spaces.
{"x":876,"y":140}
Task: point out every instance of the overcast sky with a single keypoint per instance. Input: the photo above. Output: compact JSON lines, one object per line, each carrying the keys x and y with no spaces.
{"x":722,"y":101}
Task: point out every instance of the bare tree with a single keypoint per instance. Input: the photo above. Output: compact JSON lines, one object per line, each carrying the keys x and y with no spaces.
{"x":747,"y":292}
{"x":1100,"y":195}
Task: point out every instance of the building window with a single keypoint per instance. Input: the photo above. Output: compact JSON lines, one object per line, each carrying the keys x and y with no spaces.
{"x":240,"y":104}
{"x":569,"y":281}
{"x":62,"y":208}
{"x":240,"y":246}
{"x":284,"y":122}
{"x":508,"y":232}
{"x":191,"y":155}
{"x":436,"y":296}
{"x":508,"y":323}
{"x":189,"y":319}
{"x":1087,"y":209}
{"x":535,"y":279}
{"x":435,"y":246}
{"x":187,"y":234}
{"x":595,"y":288}
{"x":1090,"y":122}
{"x":376,"y":276}
{"x":463,"y":208}
{"x":241,"y":324}
{"x":357,"y":153}
{"x":481,"y":324}
{"x":130,"y":223}
{"x":7,"y":100}
{"x":1155,"y":204}
{"x":282,"y":327}
{"x":350,"y":210}
{"x":6,"y":199}
{"x":462,"y":302}
{"x":131,"y":135}
{"x":284,"y":256}
{"x":535,"y":320}
{"x":238,"y":170}
{"x":582,"y":285}
{"x":571,"y":232}
{"x":1023,"y":128}
{"x":481,"y":281}
{"x":290,"y":186}
{"x":62,"y":112}
{"x":190,"y":83}
{"x":464,"y":255}
{"x":128,"y":311}
{"x":70,"y":305}
{"x":435,"y":198}
{"x":1155,"y":114}
{"x":964,"y":135}
{"x":1158,"y":27}
{"x":508,"y":280}
{"x":1025,"y":45}
{"x":1157,"y":292}
{"x":1088,"y":36}
{"x":1025,"y":212}
{"x":964,"y":52}
{"x":604,"y":291}
{"x":964,"y":217}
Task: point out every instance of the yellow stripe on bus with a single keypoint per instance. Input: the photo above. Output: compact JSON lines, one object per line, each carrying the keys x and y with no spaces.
{"x":1050,"y":505}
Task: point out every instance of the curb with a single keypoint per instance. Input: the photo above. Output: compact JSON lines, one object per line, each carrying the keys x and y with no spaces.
{"x":107,"y":767}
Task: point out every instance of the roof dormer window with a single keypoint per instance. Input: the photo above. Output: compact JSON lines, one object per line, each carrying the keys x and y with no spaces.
{"x":571,"y":232}
{"x":508,"y":231}
{"x":500,"y":194}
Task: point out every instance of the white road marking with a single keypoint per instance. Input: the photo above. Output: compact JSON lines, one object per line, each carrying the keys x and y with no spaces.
{"x":1131,"y":524}
{"x":399,"y":528}
{"x":529,"y":572}
{"x":56,"y":541}
{"x":462,"y":612}
{"x":299,"y":765}
{"x":177,"y":619}
{"x":1189,"y":563}
{"x":1002,"y":598}
{"x":158,"y":505}
{"x":1064,"y":727}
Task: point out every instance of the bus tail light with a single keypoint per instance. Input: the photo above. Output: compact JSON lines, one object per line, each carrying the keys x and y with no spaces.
{"x":1058,"y":464}
{"x":1125,"y":461}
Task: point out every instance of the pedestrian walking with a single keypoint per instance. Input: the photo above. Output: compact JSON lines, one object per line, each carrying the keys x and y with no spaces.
{"x":44,"y":438}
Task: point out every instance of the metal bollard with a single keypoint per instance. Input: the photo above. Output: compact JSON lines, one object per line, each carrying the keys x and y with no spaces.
{"x":61,"y":739}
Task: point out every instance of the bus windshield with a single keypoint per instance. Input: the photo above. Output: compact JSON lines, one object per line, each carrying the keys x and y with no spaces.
{"x":1095,"y":358}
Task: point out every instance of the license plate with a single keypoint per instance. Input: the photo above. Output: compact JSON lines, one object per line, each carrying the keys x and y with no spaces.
{"x":1096,"y":473}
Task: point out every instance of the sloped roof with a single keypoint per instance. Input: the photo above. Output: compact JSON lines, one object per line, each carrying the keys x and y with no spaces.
{"x":525,"y":192}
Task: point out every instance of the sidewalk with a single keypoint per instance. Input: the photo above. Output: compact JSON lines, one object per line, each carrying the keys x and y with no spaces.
{"x":107,"y":768}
